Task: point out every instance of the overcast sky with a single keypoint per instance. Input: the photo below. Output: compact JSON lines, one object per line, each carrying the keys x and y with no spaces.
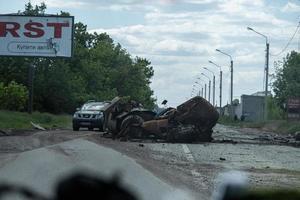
{"x":180,"y":36}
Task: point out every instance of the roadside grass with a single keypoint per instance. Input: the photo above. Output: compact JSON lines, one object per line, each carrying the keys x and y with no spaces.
{"x":225,"y":120}
{"x":289,"y":127}
{"x":21,"y":120}
{"x":277,"y":126}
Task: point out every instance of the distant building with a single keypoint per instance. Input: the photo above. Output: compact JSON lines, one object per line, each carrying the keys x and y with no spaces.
{"x":251,"y":108}
{"x":261,"y":93}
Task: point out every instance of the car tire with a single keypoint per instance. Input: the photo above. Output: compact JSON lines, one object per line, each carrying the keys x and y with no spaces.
{"x":101,"y":127}
{"x":75,"y":127}
{"x":131,"y":132}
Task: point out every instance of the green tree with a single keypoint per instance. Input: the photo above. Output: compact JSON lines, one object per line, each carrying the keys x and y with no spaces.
{"x":99,"y":69}
{"x":287,"y":81}
{"x":34,"y":10}
{"x":13,"y":96}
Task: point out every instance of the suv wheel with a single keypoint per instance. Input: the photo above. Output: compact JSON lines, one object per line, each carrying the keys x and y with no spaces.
{"x":101,"y":127}
{"x":75,"y":127}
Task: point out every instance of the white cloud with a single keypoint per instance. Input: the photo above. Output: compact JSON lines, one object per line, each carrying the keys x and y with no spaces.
{"x":119,"y":5}
{"x":126,"y":7}
{"x":251,"y":11}
{"x":179,"y":42}
{"x":291,"y":7}
{"x":201,"y":1}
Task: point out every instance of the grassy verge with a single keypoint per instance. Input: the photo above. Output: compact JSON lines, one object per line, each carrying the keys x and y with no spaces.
{"x":20,"y":120}
{"x":288,"y":127}
{"x":230,"y":122}
{"x":277,"y":126}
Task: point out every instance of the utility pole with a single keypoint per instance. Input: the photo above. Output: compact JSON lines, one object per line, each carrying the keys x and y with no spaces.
{"x":209,"y":85}
{"x":231,"y":75}
{"x":200,"y":94}
{"x":220,"y":95}
{"x":220,"y":90}
{"x":30,"y":87}
{"x":214,"y":84}
{"x":266,"y":71}
{"x":267,"y":76}
{"x":231,"y":82}
{"x":205,"y":91}
{"x":231,"y":110}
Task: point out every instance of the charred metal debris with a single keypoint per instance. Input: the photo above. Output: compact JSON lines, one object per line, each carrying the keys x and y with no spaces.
{"x":191,"y":121}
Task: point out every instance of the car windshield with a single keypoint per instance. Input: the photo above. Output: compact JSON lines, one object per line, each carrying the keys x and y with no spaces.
{"x":166,"y":96}
{"x":93,"y":106}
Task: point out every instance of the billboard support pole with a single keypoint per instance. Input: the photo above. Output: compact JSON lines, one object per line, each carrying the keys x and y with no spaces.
{"x":30,"y":87}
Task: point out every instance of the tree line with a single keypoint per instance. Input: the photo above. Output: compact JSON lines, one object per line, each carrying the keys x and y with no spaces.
{"x":287,"y":78}
{"x":100,"y":69}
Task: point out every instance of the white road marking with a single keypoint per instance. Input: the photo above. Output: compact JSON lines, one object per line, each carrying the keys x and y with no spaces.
{"x":188,"y":153}
{"x":195,"y":173}
{"x":198,"y":179}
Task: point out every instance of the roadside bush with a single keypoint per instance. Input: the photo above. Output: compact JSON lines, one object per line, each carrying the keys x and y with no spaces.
{"x":274,"y":111}
{"x":13,"y":96}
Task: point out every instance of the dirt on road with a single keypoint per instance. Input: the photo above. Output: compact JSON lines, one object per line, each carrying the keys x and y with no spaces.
{"x":269,"y":160}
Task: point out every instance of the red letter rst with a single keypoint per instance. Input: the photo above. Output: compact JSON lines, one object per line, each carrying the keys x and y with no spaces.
{"x":32,"y":27}
{"x":4,"y":29}
{"x":58,"y":28}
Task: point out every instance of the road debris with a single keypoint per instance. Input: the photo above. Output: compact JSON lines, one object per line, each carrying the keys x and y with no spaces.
{"x":190,"y":122}
{"x":3,"y":132}
{"x":37,"y":126}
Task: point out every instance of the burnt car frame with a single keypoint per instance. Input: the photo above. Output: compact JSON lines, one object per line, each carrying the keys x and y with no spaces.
{"x":190,"y":122}
{"x":120,"y":109}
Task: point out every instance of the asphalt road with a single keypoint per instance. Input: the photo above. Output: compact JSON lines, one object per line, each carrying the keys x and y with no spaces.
{"x":151,"y":170}
{"x":41,"y":168}
{"x":236,"y":156}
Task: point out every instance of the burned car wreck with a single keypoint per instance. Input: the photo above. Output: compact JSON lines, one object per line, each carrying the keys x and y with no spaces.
{"x":191,"y":121}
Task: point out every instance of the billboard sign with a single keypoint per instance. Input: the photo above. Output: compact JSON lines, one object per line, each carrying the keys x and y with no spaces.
{"x":41,"y":36}
{"x":293,"y":107}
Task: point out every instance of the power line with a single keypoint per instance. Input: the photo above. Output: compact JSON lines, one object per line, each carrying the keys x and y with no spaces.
{"x":289,"y":42}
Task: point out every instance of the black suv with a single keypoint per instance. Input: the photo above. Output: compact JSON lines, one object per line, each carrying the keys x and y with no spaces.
{"x":90,"y":116}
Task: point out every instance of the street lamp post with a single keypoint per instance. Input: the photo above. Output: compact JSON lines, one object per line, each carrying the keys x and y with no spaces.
{"x":200,"y":94}
{"x":231,"y":74}
{"x":194,"y":90}
{"x":203,"y":87}
{"x":205,"y":91}
{"x":209,"y":83}
{"x":266,"y":70}
{"x":220,"y":96}
{"x":214,"y":85}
